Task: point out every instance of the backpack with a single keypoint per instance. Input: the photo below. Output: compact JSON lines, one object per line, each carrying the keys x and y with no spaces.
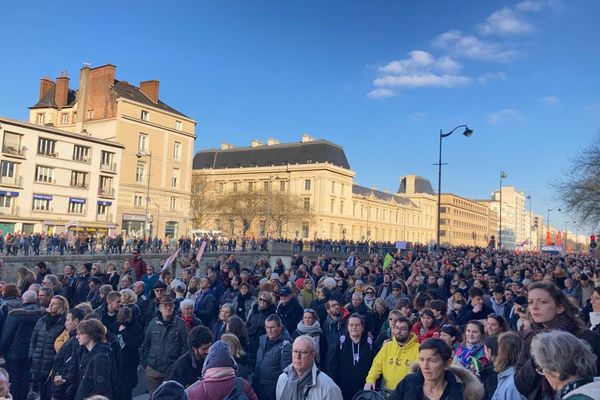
{"x":237,"y":392}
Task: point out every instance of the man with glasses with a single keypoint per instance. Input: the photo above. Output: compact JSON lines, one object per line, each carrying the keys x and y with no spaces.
{"x":289,"y":309}
{"x":394,"y":359}
{"x":274,"y":355}
{"x":302,"y":380}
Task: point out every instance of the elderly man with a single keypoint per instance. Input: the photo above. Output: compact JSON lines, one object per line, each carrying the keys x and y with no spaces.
{"x":302,"y":380}
{"x":274,"y":355}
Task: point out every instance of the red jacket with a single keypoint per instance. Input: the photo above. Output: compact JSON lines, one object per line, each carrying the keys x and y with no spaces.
{"x":433,"y":332}
{"x":217,"y":389}
{"x":139,"y":267}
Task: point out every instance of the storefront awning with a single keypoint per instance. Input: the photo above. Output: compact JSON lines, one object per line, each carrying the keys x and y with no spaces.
{"x":9,"y":194}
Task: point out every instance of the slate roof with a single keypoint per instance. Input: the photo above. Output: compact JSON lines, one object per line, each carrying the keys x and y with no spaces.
{"x":364,"y":191}
{"x":123,"y":89}
{"x":48,"y":99}
{"x":422,"y":185}
{"x":317,"y":151}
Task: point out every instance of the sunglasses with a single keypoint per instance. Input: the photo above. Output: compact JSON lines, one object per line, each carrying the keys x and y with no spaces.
{"x":370,"y":292}
{"x":262,"y":300}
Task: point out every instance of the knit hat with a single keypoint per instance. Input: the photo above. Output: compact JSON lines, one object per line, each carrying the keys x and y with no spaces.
{"x":169,"y":390}
{"x":219,"y":356}
{"x":285,"y":291}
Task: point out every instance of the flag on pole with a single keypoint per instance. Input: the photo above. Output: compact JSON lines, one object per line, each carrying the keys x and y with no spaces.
{"x":170,"y":260}
{"x":548,"y":239}
{"x":201,"y":251}
{"x":558,"y":239}
{"x":387,"y":260}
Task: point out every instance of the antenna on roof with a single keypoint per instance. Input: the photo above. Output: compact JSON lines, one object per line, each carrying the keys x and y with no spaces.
{"x":63,"y":74}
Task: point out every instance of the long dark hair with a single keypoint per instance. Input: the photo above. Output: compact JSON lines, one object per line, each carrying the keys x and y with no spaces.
{"x":561,"y":300}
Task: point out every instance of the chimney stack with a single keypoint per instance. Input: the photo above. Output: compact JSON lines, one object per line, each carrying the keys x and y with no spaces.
{"x":150,"y":89}
{"x":225,"y":146}
{"x":307,"y":138}
{"x":61,"y":94}
{"x":271,"y":141}
{"x":46,"y":85}
{"x":256,"y":143}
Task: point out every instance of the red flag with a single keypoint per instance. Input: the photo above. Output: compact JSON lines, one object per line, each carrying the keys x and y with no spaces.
{"x":558,"y":241}
{"x":170,"y":260}
{"x":548,"y":240}
{"x":200,"y":251}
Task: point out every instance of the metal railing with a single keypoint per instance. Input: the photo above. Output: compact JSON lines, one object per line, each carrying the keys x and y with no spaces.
{"x":10,"y":211}
{"x":106,"y":192}
{"x":14,"y":150}
{"x":112,"y":167}
{"x":16,"y":181}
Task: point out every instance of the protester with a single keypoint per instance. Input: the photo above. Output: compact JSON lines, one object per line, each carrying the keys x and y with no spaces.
{"x":335,"y":326}
{"x":255,"y":322}
{"x":65,"y":366}
{"x":239,"y":355}
{"x":130,"y":334}
{"x":188,"y":368}
{"x":470,"y":353}
{"x":504,"y":361}
{"x":289,"y":309}
{"x":310,"y":326}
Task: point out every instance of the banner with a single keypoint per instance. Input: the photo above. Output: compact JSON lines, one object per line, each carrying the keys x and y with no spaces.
{"x":200,"y":251}
{"x":170,"y":260}
{"x":387,"y":260}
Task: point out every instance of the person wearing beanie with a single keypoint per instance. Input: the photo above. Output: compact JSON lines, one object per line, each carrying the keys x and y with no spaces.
{"x":169,"y":390}
{"x":219,"y":377}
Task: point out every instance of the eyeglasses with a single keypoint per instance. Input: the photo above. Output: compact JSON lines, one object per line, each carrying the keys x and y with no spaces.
{"x":301,"y":353}
{"x":262,"y":300}
{"x":370,"y":292}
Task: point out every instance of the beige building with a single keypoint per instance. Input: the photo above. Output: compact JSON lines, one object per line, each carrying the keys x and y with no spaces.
{"x":319,"y":173}
{"x":465,"y":222}
{"x":53,"y":180}
{"x":515,"y":218}
{"x":155,"y":167}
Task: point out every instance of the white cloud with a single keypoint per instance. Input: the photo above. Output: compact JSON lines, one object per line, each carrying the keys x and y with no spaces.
{"x":419,"y":69}
{"x":530,"y":5}
{"x":505,"y":115}
{"x":471,"y":47}
{"x":416,"y":116}
{"x":505,"y":22}
{"x":550,"y":100}
{"x":491,"y":76}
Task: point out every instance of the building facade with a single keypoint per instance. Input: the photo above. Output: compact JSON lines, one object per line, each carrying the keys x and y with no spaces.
{"x":319,"y":174}
{"x":54,"y":181}
{"x":465,"y":222}
{"x":155,"y":167}
{"x":515,"y":218}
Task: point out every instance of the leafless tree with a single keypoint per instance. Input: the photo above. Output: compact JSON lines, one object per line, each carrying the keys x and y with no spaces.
{"x":203,"y":203}
{"x":243,"y":206}
{"x":287,"y":209}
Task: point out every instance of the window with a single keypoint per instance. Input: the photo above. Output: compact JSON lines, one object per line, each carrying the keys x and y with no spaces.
{"x":221,"y":187}
{"x":143,"y":142}
{"x":235,"y":186}
{"x":231,"y":226}
{"x":250,"y":186}
{"x":12,"y":144}
{"x":266,"y":186}
{"x":102,"y":209}
{"x":106,"y":159}
{"x":138,"y":200}
{"x":282,"y":186}
{"x":76,"y":207}
{"x":307,"y":204}
{"x":40,"y":118}
{"x":332,"y":207}
{"x":305,"y":229}
{"x":140,"y":171}
{"x":177,"y":151}
{"x":64,"y":118}
{"x":178,"y":125}
{"x":44,"y":174}
{"x":145,"y":115}
{"x":218,"y":224}
{"x":332,"y":187}
{"x":342,"y":189}
{"x":90,"y":113}
{"x":74,"y":118}
{"x":342,"y":207}
{"x":79,"y":179}
{"x":5,"y":201}
{"x":46,"y":147}
{"x":81,"y":153}
{"x":173,"y":204}
{"x":105,"y":183}
{"x":175,"y":178}
{"x":171,"y":229}
{"x":42,"y":202}
{"x":8,"y":170}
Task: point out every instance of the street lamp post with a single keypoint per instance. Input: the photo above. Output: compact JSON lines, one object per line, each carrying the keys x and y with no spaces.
{"x":140,"y":154}
{"x":503,"y":175}
{"x":157,"y":216}
{"x":467,"y":132}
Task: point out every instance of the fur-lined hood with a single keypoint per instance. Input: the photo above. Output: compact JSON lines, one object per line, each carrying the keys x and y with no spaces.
{"x":473,"y":388}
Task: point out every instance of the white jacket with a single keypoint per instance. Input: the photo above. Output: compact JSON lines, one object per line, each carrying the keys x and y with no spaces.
{"x":322,"y":387}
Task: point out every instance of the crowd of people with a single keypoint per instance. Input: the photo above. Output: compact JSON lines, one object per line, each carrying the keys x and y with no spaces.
{"x":465,"y":323}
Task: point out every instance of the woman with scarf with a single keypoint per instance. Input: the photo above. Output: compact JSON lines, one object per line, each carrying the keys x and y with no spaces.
{"x":219,"y":377}
{"x":307,"y":294}
{"x":550,"y":309}
{"x":352,"y":362}
{"x":310,"y":326}
{"x":186,"y":308}
{"x":471,"y":354}
{"x":426,"y":326}
{"x":242,"y":303}
{"x":255,"y":323}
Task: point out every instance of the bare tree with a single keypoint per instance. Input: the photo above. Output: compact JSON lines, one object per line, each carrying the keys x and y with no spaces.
{"x":244,"y":206}
{"x":203,"y":203}
{"x":286,"y":209}
{"x":579,"y":189}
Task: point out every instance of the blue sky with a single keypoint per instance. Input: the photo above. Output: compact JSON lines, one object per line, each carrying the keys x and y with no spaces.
{"x":380,"y":78}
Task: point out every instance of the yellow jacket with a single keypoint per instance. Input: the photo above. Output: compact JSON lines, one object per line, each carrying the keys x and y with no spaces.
{"x":393,"y":362}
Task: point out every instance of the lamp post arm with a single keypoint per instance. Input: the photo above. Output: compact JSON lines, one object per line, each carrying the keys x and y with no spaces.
{"x":452,"y":131}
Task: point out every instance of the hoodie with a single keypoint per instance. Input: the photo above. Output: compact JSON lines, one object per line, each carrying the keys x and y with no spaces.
{"x":393,"y":362}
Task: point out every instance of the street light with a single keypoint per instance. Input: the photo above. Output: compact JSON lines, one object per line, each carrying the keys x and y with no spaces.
{"x":503,"y":175}
{"x":140,"y":154}
{"x":467,"y":132}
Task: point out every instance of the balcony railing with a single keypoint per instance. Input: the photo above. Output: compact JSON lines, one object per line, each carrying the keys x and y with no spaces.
{"x":10,"y":211}
{"x":84,"y":159}
{"x":106,"y":192}
{"x":79,"y":185}
{"x":15,"y":181}
{"x":46,"y":211}
{"x":110,"y":167}
{"x":18,"y":151}
{"x":48,"y":154}
{"x":104,"y":217}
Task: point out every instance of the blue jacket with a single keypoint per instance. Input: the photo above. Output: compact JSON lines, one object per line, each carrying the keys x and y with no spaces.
{"x":17,"y":331}
{"x":506,"y":389}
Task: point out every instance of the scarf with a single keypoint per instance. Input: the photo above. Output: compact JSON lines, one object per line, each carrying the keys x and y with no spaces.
{"x":314,"y":331}
{"x":219,"y":374}
{"x":241,"y":303}
{"x":51,"y":320}
{"x":188,"y":322}
{"x":295,"y":386}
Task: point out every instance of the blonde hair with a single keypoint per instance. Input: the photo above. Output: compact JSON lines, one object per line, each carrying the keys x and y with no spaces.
{"x":235,"y":347}
{"x":64,"y":304}
{"x":128,"y":296}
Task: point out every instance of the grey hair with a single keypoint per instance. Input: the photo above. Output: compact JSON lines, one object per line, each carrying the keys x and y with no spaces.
{"x":186,"y":303}
{"x":565,"y":354}
{"x":357,"y":295}
{"x":311,"y":343}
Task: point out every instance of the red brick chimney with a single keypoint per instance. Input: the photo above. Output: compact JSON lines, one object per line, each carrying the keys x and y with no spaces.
{"x":98,"y":92}
{"x":45,"y":85}
{"x":61,"y":94}
{"x":150,"y":89}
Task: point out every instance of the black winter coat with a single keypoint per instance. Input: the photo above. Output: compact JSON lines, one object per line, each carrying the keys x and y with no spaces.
{"x":17,"y":331}
{"x":186,"y":370}
{"x":350,"y":375}
{"x":96,"y":373}
{"x":66,"y":364}
{"x":256,"y":327}
{"x":411,"y":388}
{"x":41,"y":347}
{"x":164,"y":343}
{"x":206,"y":308}
{"x":290,"y":314}
{"x":130,"y":340}
{"x":82,"y":288}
